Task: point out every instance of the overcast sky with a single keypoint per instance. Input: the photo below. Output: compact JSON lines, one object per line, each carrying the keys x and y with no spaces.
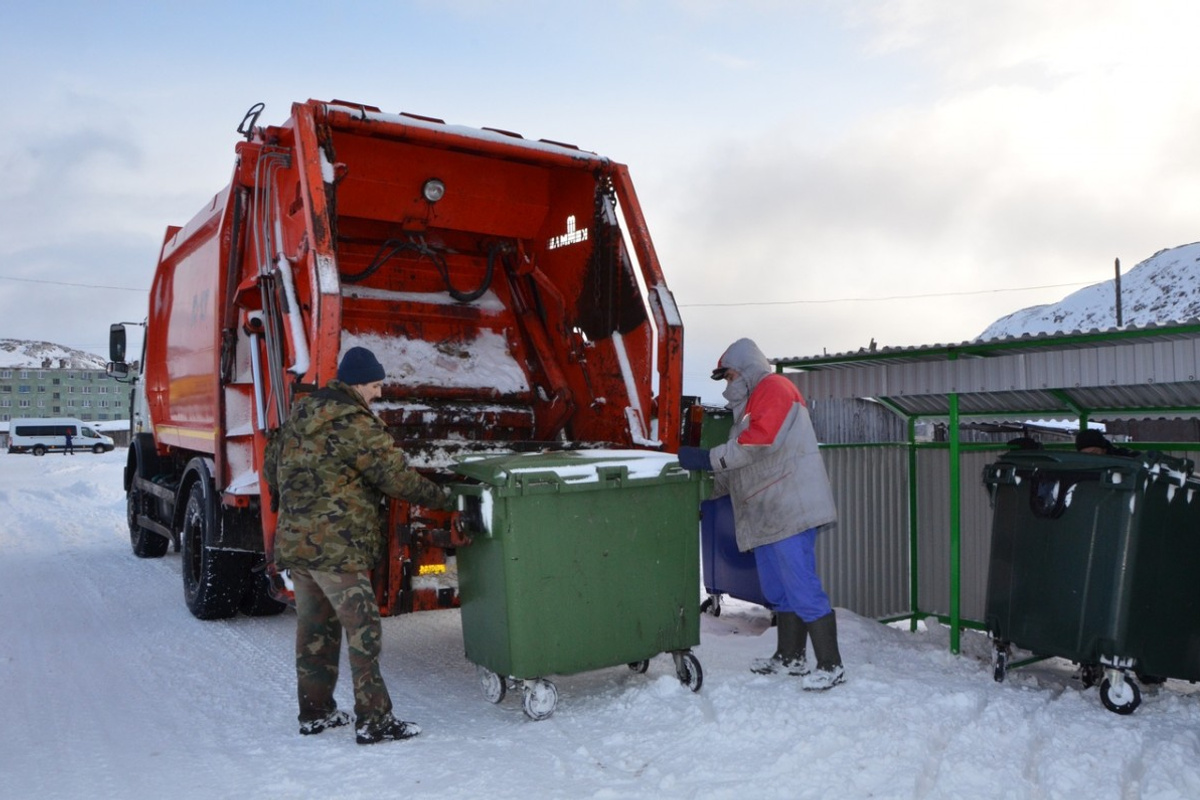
{"x":815,"y":175}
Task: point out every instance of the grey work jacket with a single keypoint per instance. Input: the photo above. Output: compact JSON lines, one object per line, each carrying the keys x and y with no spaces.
{"x":778,"y":490}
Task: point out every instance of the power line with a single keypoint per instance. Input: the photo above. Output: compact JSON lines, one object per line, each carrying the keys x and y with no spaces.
{"x":693,"y":305}
{"x":882,"y":299}
{"x":68,"y":283}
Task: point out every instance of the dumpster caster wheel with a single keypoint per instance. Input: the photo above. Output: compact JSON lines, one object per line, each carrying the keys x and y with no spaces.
{"x":538,"y":698}
{"x":999,"y":664}
{"x":712,"y":605}
{"x":1120,"y":696}
{"x":493,"y":685}
{"x":640,"y":667}
{"x":687,"y":667}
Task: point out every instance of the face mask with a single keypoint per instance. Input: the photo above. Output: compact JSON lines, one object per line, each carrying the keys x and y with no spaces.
{"x":737,"y":391}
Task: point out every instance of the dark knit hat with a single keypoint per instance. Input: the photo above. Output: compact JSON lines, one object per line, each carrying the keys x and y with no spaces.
{"x":359,"y":366}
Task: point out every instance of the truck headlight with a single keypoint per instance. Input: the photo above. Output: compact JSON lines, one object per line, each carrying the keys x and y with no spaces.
{"x":433,"y":190}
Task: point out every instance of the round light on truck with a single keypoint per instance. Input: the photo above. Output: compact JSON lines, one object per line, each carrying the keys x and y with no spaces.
{"x":433,"y":190}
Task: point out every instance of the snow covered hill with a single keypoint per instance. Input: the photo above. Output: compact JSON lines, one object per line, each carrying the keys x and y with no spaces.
{"x":21,"y":353}
{"x":1162,"y":289}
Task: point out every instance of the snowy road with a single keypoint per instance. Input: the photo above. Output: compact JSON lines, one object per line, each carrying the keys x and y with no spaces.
{"x":113,"y":690}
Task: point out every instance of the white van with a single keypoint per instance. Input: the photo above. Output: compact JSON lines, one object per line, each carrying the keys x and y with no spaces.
{"x":49,"y":435}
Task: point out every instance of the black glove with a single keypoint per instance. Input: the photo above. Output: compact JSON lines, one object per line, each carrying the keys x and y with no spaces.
{"x":695,"y":459}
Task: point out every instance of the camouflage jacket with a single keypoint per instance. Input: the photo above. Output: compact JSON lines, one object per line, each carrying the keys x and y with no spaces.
{"x":330,"y":465}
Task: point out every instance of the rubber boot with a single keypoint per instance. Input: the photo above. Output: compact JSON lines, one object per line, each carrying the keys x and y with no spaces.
{"x":829,"y":671}
{"x":790,"y":651}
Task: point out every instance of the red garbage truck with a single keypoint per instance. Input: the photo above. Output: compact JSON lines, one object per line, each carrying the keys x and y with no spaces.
{"x":508,"y":285}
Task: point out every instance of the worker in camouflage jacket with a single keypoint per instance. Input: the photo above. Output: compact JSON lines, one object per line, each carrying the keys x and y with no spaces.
{"x":329,"y":467}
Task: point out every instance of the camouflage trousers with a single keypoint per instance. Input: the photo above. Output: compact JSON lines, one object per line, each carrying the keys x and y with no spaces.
{"x":326,"y":604}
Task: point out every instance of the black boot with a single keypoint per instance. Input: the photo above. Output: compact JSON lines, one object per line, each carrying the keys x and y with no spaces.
{"x":790,"y":651}
{"x":829,"y":671}
{"x":387,"y":728}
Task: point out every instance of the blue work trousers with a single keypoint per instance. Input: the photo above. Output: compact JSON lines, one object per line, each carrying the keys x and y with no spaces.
{"x":787,"y":572}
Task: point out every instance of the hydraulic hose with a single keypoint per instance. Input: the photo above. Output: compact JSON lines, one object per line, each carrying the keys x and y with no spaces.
{"x":393,"y":247}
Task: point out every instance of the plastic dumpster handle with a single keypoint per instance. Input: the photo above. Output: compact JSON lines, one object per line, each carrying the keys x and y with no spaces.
{"x":614,"y":474}
{"x":1000,"y":474}
{"x":542,"y":480}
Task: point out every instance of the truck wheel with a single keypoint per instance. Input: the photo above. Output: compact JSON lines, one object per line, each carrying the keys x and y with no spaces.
{"x":145,"y":543}
{"x":98,"y":449}
{"x":213,"y":580}
{"x":39,"y":450}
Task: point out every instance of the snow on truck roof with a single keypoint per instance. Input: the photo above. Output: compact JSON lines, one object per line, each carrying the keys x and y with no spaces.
{"x":484,"y":134}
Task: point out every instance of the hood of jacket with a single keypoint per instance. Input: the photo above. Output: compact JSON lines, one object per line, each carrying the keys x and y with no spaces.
{"x":746,"y":359}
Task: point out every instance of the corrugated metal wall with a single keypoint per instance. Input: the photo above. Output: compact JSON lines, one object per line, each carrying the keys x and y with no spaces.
{"x":863,"y":561}
{"x":933,"y":531}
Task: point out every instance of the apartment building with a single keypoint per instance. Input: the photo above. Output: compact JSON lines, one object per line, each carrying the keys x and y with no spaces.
{"x":57,"y":389}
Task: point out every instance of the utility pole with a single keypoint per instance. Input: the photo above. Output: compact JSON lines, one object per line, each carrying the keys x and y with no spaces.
{"x":1117,"y":287}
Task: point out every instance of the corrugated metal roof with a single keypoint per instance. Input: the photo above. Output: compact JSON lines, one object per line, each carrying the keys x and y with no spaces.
{"x":1130,"y":373}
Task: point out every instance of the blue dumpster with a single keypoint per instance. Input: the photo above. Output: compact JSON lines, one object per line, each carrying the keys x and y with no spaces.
{"x":726,"y":570}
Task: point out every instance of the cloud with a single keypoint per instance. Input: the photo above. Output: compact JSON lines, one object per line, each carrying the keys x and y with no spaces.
{"x":999,"y":178}
{"x":1028,"y":144}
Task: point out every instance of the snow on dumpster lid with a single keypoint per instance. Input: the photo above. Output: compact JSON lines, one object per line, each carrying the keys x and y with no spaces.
{"x":568,"y":466}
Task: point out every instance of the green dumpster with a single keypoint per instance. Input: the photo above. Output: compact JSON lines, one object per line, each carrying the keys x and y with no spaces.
{"x":580,"y":560}
{"x":1094,"y":559}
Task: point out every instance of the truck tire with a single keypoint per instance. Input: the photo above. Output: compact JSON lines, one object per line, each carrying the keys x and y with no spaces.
{"x":213,"y":580}
{"x":142,"y":462}
{"x":145,"y":543}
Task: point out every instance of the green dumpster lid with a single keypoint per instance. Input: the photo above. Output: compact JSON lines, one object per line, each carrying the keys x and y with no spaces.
{"x":1064,"y":458}
{"x":1158,"y":466}
{"x":568,"y":466}
{"x":1152,"y":460}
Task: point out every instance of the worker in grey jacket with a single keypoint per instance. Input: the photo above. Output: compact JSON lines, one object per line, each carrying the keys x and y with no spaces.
{"x":772,"y":469}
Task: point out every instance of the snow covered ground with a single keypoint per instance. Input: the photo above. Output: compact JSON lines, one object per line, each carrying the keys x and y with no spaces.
{"x":112,"y":690}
